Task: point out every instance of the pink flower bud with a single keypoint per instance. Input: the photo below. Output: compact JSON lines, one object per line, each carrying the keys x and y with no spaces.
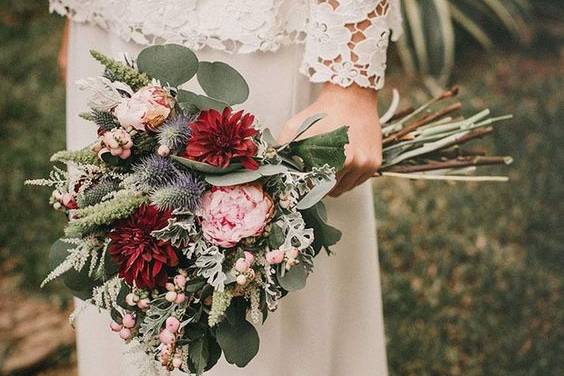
{"x":180,"y":298}
{"x":115,"y":327}
{"x":166,"y":337}
{"x":275,"y":257}
{"x":172,"y":324}
{"x":249,"y":257}
{"x":170,"y":296}
{"x":128,"y":321}
{"x":125,"y":334}
{"x":170,"y":286}
{"x":180,"y":281}
{"x":242,"y":265}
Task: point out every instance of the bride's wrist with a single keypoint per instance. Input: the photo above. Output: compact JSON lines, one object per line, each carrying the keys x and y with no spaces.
{"x":353,"y":94}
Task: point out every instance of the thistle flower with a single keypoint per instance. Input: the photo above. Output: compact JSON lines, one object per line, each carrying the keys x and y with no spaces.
{"x":95,"y":193}
{"x":152,"y":172}
{"x":183,"y":193}
{"x":175,"y":133}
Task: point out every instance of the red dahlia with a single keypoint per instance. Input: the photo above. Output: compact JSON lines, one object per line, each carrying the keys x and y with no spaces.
{"x":218,"y":139}
{"x":141,"y":257}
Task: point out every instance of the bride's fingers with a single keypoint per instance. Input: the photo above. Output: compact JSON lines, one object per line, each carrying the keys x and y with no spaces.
{"x":346,"y":183}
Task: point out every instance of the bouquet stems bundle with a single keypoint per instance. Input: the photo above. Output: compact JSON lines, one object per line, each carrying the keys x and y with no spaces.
{"x":429,"y":142}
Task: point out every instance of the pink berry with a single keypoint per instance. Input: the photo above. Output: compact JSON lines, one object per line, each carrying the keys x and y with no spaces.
{"x":176,"y":362}
{"x":170,"y":296}
{"x":170,"y":286}
{"x":128,"y":321}
{"x":180,"y":298}
{"x":143,"y":304}
{"x":115,"y":327}
{"x":166,"y":337}
{"x":180,"y":281}
{"x":241,"y":279}
{"x":172,"y":324}
{"x":249,"y":257}
{"x":275,"y":257}
{"x":125,"y":334}
{"x":292,"y":253}
{"x":242,"y":265}
{"x":163,"y":151}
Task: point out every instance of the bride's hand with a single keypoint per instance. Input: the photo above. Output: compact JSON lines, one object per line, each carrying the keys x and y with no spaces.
{"x":355,"y":107}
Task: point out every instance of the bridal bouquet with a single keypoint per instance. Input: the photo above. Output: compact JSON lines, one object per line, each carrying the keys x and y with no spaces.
{"x":189,"y":222}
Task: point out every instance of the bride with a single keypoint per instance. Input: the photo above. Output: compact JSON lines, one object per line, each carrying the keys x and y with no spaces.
{"x":300,"y":57}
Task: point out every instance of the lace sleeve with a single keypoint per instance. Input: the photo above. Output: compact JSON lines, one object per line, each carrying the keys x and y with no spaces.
{"x":347,"y":40}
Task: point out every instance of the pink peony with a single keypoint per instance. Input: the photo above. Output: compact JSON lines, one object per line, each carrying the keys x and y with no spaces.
{"x":147,"y":109}
{"x":229,"y":214}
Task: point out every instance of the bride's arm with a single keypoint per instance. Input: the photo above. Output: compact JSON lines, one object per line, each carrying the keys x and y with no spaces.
{"x":63,"y":51}
{"x":346,"y":51}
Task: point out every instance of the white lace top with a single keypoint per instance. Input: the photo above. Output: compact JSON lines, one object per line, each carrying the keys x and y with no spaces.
{"x":345,"y":40}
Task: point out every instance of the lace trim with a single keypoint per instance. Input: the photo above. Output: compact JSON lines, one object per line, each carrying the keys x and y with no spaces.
{"x":357,"y":55}
{"x":347,"y":42}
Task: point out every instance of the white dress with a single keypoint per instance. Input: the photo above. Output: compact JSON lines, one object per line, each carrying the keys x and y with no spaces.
{"x":334,"y":327}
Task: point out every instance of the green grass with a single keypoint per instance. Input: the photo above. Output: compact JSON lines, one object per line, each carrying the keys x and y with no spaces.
{"x":471,"y":273}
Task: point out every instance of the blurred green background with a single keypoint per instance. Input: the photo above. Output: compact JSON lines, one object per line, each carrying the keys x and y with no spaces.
{"x":472,"y":273}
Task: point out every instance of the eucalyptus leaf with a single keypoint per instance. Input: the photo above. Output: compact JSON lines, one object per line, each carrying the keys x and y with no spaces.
{"x":245,"y":176}
{"x":239,"y":341}
{"x":206,"y":168}
{"x":268,"y":137}
{"x":171,"y":64}
{"x":308,"y":123}
{"x":222,"y":82}
{"x":293,"y":279}
{"x":316,"y":194}
{"x":187,"y":100}
{"x":327,"y":148}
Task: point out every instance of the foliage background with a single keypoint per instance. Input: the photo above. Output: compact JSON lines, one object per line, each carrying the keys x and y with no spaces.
{"x":472,"y":274}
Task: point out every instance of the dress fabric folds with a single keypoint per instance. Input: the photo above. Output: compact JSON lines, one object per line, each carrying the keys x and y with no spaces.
{"x":334,"y":327}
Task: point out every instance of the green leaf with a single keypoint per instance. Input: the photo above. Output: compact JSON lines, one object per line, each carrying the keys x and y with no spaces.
{"x":276,"y":237}
{"x":214,"y":352}
{"x":222,"y":82}
{"x":317,"y":193}
{"x":171,"y":64}
{"x":268,"y":137}
{"x":206,"y":168}
{"x":187,"y":100}
{"x":293,"y":279}
{"x":325,"y":234}
{"x":195,"y":284}
{"x":246,"y":176}
{"x":116,"y":316}
{"x":78,"y":282}
{"x":198,"y":354}
{"x":327,"y":148}
{"x":239,"y":341}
